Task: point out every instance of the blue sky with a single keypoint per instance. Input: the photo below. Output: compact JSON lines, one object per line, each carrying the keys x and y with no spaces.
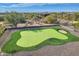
{"x":39,"y":7}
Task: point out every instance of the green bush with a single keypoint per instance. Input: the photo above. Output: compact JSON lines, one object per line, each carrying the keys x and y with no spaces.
{"x":76,"y":25}
{"x":2,"y":28}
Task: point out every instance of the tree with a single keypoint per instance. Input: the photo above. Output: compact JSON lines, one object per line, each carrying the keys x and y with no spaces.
{"x":51,"y":18}
{"x":76,"y":25}
{"x":1,"y":18}
{"x":14,"y":18}
{"x":59,"y":15}
{"x":72,"y":16}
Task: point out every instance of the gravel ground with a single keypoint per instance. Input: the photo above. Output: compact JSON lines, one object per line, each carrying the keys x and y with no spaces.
{"x":70,"y":49}
{"x":4,"y":38}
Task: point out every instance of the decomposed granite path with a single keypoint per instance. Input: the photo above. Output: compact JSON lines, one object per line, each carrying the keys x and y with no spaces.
{"x":69,"y":49}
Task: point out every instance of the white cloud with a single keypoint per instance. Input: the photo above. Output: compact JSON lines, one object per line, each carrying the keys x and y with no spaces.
{"x":28,"y":4}
{"x":23,"y":5}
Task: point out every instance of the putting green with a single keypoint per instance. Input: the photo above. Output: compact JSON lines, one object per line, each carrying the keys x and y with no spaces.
{"x":33,"y":38}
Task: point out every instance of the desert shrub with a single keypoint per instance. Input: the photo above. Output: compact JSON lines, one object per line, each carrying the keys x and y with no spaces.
{"x":2,"y":28}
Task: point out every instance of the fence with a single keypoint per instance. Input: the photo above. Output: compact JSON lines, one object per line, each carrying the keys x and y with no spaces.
{"x":30,"y":27}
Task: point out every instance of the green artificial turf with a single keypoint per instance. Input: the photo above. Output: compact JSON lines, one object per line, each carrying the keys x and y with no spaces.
{"x":32,"y":38}
{"x":28,"y":40}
